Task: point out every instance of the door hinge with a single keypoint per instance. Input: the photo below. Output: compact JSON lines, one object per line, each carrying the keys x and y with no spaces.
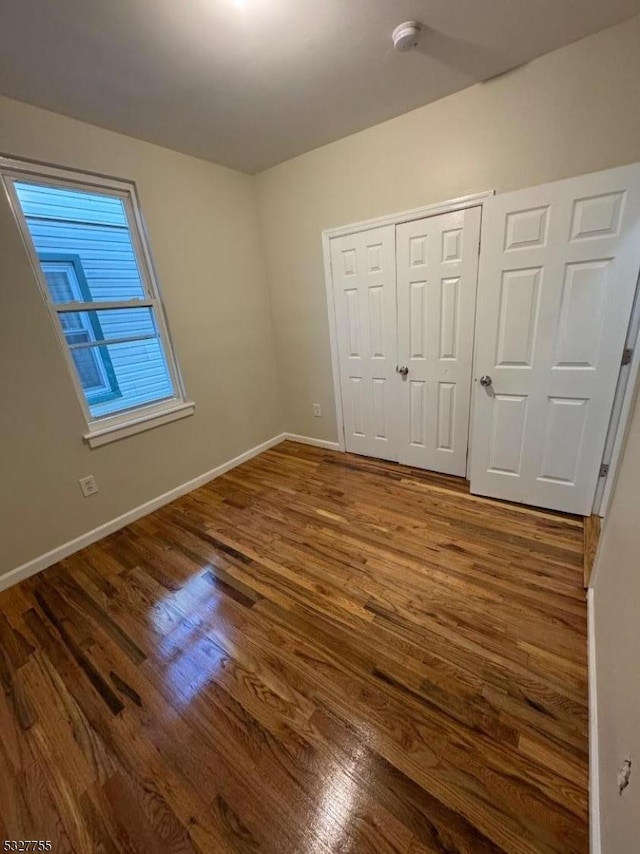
{"x":627,"y":355}
{"x":604,"y":470}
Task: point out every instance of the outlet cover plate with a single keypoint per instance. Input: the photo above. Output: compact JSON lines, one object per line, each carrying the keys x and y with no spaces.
{"x":88,"y":485}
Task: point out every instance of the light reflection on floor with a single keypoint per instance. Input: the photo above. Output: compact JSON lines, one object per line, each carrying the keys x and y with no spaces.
{"x":339,"y":805}
{"x":193,"y":659}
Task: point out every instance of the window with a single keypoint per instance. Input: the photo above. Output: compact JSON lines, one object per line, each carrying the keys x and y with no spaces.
{"x":85,"y":237}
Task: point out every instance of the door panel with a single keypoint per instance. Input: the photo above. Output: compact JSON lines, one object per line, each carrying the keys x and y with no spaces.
{"x":364,"y":282}
{"x":519,"y":303}
{"x":558,"y":272}
{"x":437,"y":261}
{"x":507,"y":433}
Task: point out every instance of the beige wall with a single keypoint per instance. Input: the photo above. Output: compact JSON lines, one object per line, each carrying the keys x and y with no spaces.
{"x":202,"y":225}
{"x":617,"y":638}
{"x":570,"y":112}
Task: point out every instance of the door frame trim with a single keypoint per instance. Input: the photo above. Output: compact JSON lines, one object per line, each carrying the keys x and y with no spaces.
{"x":621,"y":412}
{"x":471,"y":201}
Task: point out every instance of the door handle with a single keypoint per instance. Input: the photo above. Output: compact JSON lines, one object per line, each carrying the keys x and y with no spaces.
{"x":403,"y":371}
{"x":485,"y":381}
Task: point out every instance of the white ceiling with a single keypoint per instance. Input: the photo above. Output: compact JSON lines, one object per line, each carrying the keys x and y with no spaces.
{"x":249,"y":83}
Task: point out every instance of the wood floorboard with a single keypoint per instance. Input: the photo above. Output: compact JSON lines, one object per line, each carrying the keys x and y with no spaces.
{"x":313,"y":653}
{"x":592,"y":526}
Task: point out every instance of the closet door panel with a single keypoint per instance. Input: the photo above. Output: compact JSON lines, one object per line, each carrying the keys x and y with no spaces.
{"x":437,"y":261}
{"x":364,"y":283}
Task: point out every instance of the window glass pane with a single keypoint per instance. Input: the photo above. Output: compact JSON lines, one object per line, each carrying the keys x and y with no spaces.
{"x":87,"y":364}
{"x":60,"y":285}
{"x":63,"y":203}
{"x":70,"y":322}
{"x":92,"y":230}
{"x":141,"y":372}
{"x":136,"y":367}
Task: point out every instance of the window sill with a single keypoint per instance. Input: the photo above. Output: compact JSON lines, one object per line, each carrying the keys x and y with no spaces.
{"x":104,"y":435}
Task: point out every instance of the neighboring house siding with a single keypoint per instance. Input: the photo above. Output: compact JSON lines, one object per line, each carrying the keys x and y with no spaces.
{"x":95,"y":230}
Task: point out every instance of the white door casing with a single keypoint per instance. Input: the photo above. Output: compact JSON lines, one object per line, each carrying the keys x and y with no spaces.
{"x":364,"y":283}
{"x":558,"y":272}
{"x":437,"y":267}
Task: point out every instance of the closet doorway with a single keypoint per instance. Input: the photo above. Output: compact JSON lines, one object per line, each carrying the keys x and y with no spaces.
{"x":404,"y":297}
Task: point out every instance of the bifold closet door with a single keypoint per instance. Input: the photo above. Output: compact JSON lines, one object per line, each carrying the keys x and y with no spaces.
{"x":558,"y":273}
{"x":364,"y":285}
{"x":437,"y":267}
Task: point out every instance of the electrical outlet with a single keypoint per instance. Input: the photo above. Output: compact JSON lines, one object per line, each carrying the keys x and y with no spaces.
{"x":317,"y":411}
{"x":88,"y":485}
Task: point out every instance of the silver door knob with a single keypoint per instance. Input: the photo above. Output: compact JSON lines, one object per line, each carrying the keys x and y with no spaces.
{"x":403,"y":371}
{"x":485,"y":381}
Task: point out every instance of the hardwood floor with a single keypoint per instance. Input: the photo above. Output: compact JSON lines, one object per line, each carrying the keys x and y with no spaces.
{"x":313,"y":653}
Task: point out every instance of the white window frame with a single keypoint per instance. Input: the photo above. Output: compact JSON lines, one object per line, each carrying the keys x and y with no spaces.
{"x":106,"y":428}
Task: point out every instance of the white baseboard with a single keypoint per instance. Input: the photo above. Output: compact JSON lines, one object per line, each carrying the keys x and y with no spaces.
{"x":14,"y":576}
{"x":309,"y":440}
{"x":38,"y":564}
{"x":594,"y":768}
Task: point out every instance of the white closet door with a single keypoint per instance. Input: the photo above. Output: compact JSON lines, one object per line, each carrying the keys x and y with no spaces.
{"x":437,"y":266}
{"x":364,"y":282}
{"x":558,"y":272}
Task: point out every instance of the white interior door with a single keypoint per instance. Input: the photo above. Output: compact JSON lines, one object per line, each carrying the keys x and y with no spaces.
{"x":364,"y":283}
{"x":558,"y":271}
{"x":437,"y":267}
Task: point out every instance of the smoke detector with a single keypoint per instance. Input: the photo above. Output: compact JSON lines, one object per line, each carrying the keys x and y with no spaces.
{"x":406,"y":36}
